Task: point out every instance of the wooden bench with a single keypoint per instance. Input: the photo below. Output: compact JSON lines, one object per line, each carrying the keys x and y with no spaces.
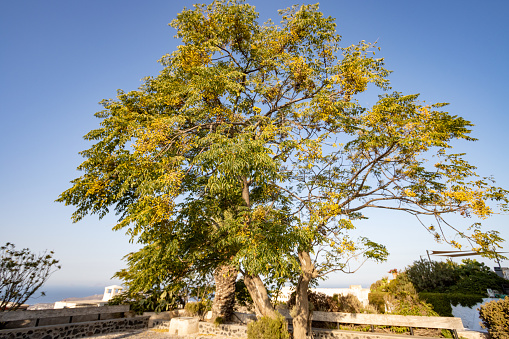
{"x":446,"y":323}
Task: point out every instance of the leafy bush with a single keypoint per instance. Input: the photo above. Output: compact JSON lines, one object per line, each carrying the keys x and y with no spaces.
{"x":495,"y":317}
{"x":242,"y":295}
{"x":442,"y":302}
{"x":317,"y":302}
{"x":268,"y":328}
{"x":198,"y":308}
{"x":377,"y":300}
{"x":151,"y":301}
{"x":348,"y":303}
{"x":471,"y":277}
{"x":476,"y":278}
{"x":322,"y":302}
{"x":337,"y":303}
{"x":432,"y":276}
{"x":379,"y":285}
{"x":400,"y":297}
{"x":218,"y":321}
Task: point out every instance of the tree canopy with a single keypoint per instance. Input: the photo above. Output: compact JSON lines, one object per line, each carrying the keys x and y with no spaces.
{"x":250,"y":149}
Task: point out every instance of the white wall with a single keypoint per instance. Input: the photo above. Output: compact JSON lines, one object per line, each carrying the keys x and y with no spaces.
{"x":470,"y":316}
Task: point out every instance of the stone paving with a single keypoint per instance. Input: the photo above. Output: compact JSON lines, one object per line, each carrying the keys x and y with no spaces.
{"x":157,"y":334}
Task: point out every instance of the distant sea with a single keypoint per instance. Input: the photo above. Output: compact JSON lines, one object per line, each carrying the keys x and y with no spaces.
{"x":57,"y":293}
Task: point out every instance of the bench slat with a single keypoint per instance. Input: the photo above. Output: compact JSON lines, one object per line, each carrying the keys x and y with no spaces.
{"x":390,"y":320}
{"x":63,"y":312}
{"x":449,"y":323}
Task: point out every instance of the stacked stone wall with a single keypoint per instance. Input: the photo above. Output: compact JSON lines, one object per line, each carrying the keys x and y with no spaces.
{"x":77,"y":330}
{"x":228,"y":330}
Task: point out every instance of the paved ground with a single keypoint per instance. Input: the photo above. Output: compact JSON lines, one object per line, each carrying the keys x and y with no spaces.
{"x":157,"y":334}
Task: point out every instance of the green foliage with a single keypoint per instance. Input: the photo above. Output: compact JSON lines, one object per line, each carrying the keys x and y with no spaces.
{"x":470,"y":277}
{"x":218,"y":321}
{"x":476,"y":278}
{"x":442,"y":302}
{"x":377,"y":299}
{"x":434,"y":276}
{"x":151,"y":301}
{"x":317,"y":302}
{"x":337,"y":303}
{"x":198,"y":308}
{"x":348,"y":303}
{"x":400,"y":297}
{"x":242,"y":296}
{"x":495,"y":317}
{"x":22,"y":273}
{"x":268,"y":328}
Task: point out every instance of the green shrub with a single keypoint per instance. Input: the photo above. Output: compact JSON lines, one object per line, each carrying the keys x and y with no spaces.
{"x":337,"y":303}
{"x":317,"y":302}
{"x":198,"y":308}
{"x":495,"y":317}
{"x":218,"y":321}
{"x":347,"y":303}
{"x":432,"y":276}
{"x":400,"y":297}
{"x":242,"y":295}
{"x":377,"y":299}
{"x":442,"y":301}
{"x":268,"y":328}
{"x":470,"y":277}
{"x":476,"y":278}
{"x":379,"y":285}
{"x":151,"y":301}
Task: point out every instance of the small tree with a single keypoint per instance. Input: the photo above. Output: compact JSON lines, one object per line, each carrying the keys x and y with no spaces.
{"x":432,"y":276}
{"x":22,"y":273}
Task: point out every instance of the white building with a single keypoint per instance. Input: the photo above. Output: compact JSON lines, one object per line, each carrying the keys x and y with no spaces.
{"x":109,"y":292}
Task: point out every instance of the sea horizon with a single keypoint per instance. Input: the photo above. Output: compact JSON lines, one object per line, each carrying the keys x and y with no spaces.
{"x":58,"y":293}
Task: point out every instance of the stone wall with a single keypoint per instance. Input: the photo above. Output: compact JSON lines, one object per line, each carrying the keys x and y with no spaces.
{"x":77,"y":330}
{"x":229,"y":330}
{"x":240,"y":331}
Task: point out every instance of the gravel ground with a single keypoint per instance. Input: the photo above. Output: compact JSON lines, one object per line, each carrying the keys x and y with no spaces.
{"x":157,"y":334}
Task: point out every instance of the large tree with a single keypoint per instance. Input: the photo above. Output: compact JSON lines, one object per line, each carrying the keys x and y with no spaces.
{"x":249,"y":150}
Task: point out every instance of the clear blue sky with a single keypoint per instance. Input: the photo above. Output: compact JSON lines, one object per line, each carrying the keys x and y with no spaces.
{"x":58,"y":59}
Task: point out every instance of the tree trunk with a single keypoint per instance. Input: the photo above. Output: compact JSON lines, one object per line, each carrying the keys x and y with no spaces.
{"x":224,"y":300}
{"x":301,"y":313}
{"x":301,"y":319}
{"x":260,"y":297}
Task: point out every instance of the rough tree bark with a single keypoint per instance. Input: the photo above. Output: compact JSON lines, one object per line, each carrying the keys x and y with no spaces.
{"x":301,"y":323}
{"x":224,"y":300}
{"x":260,"y":297}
